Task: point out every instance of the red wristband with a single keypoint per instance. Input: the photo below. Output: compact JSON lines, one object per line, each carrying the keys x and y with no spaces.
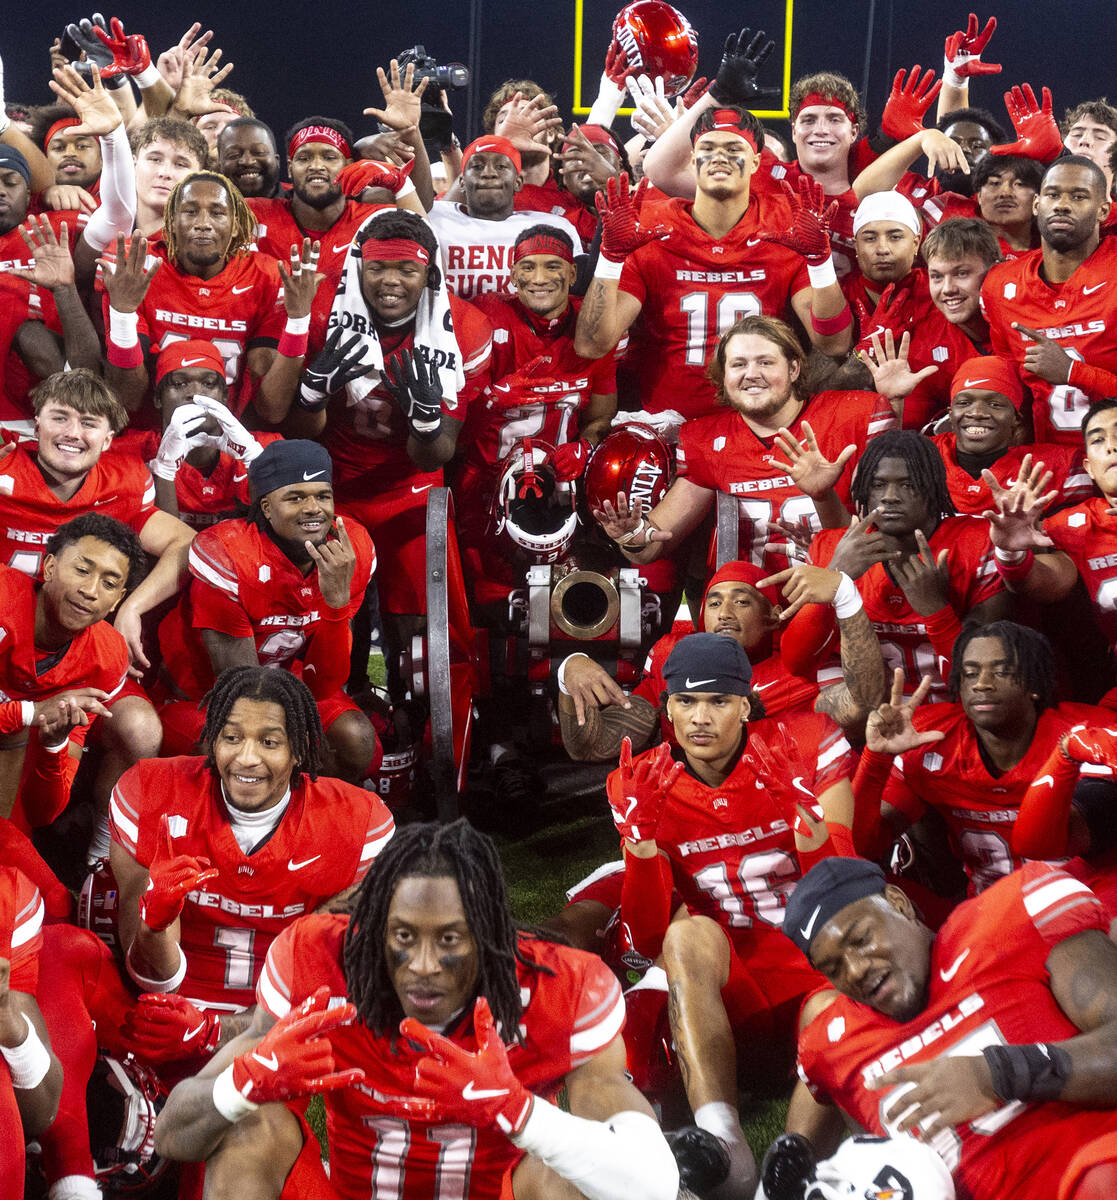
{"x":293,"y":345}
{"x":830,"y":325}
{"x":1018,"y":571}
{"x":124,"y":356}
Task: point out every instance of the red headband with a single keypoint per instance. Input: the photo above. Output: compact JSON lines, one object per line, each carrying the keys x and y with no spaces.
{"x":813,"y":98}
{"x":393,"y":250}
{"x":727,"y":120}
{"x":541,"y":243}
{"x":64,"y":123}
{"x":318,"y":133}
{"x":988,"y":374}
{"x":194,"y":353}
{"x":492,"y":144}
{"x":597,"y":134}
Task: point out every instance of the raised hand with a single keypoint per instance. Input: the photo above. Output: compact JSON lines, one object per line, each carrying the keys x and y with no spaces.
{"x":130,"y":52}
{"x":804,"y":584}
{"x":402,"y":99}
{"x":336,"y":561}
{"x":57,"y":715}
{"x":580,"y":154}
{"x":741,"y":60}
{"x":127,"y":279}
{"x":623,"y":523}
{"x":526,"y":123}
{"x":171,"y":877}
{"x":417,"y":390}
{"x":908,"y":103}
{"x":924,"y":577}
{"x":619,"y":210}
{"x":201,"y":73}
{"x":1091,"y":744}
{"x":810,"y":470}
{"x":54,"y":267}
{"x":1015,"y":522}
{"x":811,"y":220}
{"x":293,"y":1058}
{"x":644,"y":788}
{"x":862,"y":545}
{"x":368,"y":172}
{"x":889,"y":729}
{"x":335,"y":366}
{"x":233,"y":439}
{"x":476,"y":1089}
{"x":892,"y":376}
{"x":186,"y":431}
{"x":99,"y":114}
{"x":301,"y":282}
{"x":164,"y":1027}
{"x":1044,"y":357}
{"x":82,"y":46}
{"x":1037,"y":134}
{"x":616,"y":65}
{"x":962,"y":53}
{"x":170,"y":62}
{"x":654,"y":113}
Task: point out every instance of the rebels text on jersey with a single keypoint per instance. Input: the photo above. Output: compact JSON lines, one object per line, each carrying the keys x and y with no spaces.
{"x":1088,"y":533}
{"x":325,"y":841}
{"x":572,"y":1010}
{"x":117,"y":486}
{"x":721,"y":452}
{"x":988,"y":985}
{"x":244,"y":586}
{"x":693,"y":287}
{"x":1077,"y":314}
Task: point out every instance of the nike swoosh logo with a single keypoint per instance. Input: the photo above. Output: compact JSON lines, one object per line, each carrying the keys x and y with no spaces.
{"x":1086,"y":291}
{"x":294,"y":866}
{"x":237,"y":290}
{"x":272,"y":1063}
{"x":307,"y":475}
{"x":469,"y":1092}
{"x":502,"y":387}
{"x":632,"y":802}
{"x":806,"y":930}
{"x":104,"y":500}
{"x":797,"y":782}
{"x":193,"y":1032}
{"x":423,"y":488}
{"x":192,"y":362}
{"x":969,"y":383}
{"x":753,"y":242}
{"x":952,"y":970}
{"x":693,"y":683}
{"x":1047,"y":779}
{"x":341,"y":249}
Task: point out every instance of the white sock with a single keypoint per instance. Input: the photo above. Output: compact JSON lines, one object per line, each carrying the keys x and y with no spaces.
{"x":75,"y":1187}
{"x":723,"y":1122}
{"x":101,"y":841}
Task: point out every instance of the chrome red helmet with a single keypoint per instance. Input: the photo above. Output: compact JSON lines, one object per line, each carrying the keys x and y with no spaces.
{"x":632,"y":459}
{"x":658,"y":40}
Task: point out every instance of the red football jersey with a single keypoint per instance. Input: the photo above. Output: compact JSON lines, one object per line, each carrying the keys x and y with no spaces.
{"x":19,"y":301}
{"x":841,"y":227}
{"x":325,"y":841}
{"x":243,"y":585}
{"x":117,"y":486}
{"x":367,"y":440}
{"x":1076,"y":314}
{"x":557,"y":202}
{"x":21,"y":925}
{"x":988,"y":986}
{"x":944,"y":206}
{"x":979,"y":808}
{"x":693,"y":287}
{"x":904,"y":641}
{"x":934,"y":341}
{"x":572,"y":1010}
{"x":1088,"y":533}
{"x":722,"y":453}
{"x":972,"y":496}
{"x":545,"y":400}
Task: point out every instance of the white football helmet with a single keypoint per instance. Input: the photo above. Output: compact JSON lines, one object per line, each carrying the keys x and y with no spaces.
{"x":872,"y":1168}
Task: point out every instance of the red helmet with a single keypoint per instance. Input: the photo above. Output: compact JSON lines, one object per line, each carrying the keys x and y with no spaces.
{"x":658,"y":40}
{"x":124,"y":1097}
{"x":632,"y":459}
{"x":539,"y":515}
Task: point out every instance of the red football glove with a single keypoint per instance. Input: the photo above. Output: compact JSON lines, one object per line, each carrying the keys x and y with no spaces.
{"x":811,"y":219}
{"x":1092,"y":744}
{"x":569,"y":460}
{"x":619,"y":209}
{"x":695,"y":92}
{"x":642,"y":791}
{"x":908,"y":103}
{"x":617,"y":69}
{"x":164,"y":1027}
{"x":470,"y":1089}
{"x":171,"y":877}
{"x":1037,"y":134}
{"x":888,"y":314}
{"x":294,"y":1059}
{"x":367,"y":172}
{"x":130,"y":53}
{"x":962,"y":53}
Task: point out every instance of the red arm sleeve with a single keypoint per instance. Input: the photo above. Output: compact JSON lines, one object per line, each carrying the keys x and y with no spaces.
{"x":646,"y":901}
{"x":1041,"y":827}
{"x":44,"y":783}
{"x":868,"y":789}
{"x":1095,"y":381}
{"x":16,"y":850}
{"x":326,"y":666}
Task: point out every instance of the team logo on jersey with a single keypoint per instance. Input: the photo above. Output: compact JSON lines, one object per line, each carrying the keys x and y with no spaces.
{"x":1010,"y":291}
{"x":264,"y":574}
{"x":720,"y":802}
{"x":176,"y":826}
{"x":836,"y":1029}
{"x":932,"y":761}
{"x":500,"y":336}
{"x":940,"y":354}
{"x":719,"y":444}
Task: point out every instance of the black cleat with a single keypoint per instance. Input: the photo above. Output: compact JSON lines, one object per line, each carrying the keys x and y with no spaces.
{"x":702,"y":1159}
{"x":788,"y":1166}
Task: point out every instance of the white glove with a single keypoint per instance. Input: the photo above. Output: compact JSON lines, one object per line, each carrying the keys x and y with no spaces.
{"x":235,"y":440}
{"x":185,"y":432}
{"x":654,"y":112}
{"x":667,"y":423}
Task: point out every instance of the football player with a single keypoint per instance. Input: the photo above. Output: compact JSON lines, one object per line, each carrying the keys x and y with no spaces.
{"x":1090,"y":129}
{"x":430,"y":946}
{"x":276,"y":588}
{"x":165,"y":151}
{"x":1048,"y":309}
{"x":990,"y":1040}
{"x":958,"y":254}
{"x":726,"y":826}
{"x":921,"y":569}
{"x":706,"y":265}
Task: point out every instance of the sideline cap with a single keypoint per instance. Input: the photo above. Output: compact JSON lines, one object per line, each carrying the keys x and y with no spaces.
{"x":707,"y":662}
{"x":284,"y":462}
{"x":824,"y":891}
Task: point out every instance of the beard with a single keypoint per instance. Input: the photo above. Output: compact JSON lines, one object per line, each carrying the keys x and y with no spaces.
{"x":330,"y":196}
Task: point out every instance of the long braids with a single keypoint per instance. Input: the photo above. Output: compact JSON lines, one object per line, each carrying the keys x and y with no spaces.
{"x":266,"y":684}
{"x":244,"y":223}
{"x":431,"y":850}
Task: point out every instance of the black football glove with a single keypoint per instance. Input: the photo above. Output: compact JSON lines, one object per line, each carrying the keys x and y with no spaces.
{"x":736,"y":77}
{"x":334,"y":366}
{"x":418,"y":391}
{"x":79,"y":37}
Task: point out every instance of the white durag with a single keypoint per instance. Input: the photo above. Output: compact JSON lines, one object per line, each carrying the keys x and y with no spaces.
{"x":434,"y":327}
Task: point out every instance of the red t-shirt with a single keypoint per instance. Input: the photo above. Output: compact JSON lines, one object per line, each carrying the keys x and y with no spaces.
{"x":325,"y":841}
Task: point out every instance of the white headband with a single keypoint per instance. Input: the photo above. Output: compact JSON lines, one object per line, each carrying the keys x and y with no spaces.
{"x":886,"y":206}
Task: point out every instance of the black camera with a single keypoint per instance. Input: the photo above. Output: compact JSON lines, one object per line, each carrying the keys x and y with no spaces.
{"x":436,"y":126}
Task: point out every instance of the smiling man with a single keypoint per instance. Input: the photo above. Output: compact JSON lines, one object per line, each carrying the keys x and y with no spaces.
{"x":246,"y":154}
{"x":992,"y":1040}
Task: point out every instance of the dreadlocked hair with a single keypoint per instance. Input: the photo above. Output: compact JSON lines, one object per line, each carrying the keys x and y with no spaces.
{"x":269,"y":685}
{"x":1028,"y":651}
{"x":244,"y":223}
{"x":920,"y":455}
{"x":431,"y":850}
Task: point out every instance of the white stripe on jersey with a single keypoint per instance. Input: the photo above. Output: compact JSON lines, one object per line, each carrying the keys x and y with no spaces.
{"x":587,"y":1042}
{"x":28,"y":927}
{"x":269,"y":993}
{"x":1050,"y":893}
{"x":125,"y":825}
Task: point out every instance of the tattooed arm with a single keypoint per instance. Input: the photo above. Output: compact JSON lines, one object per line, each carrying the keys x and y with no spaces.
{"x":605,"y":314}
{"x":599,"y":738}
{"x":862,"y":688}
